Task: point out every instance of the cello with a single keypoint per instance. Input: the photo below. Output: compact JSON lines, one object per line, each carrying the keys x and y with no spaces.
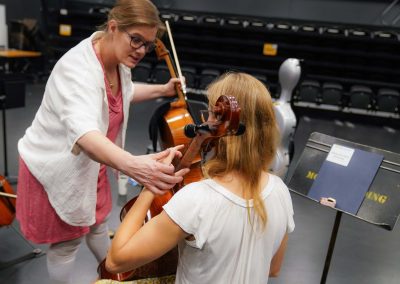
{"x":289,"y":75}
{"x":172,"y":123}
{"x":7,"y":202}
{"x":172,"y":117}
{"x":225,"y":122}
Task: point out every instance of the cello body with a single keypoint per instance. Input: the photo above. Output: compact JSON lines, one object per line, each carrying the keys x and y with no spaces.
{"x":172,"y":128}
{"x":289,"y":75}
{"x":7,"y":202}
{"x":173,"y":134}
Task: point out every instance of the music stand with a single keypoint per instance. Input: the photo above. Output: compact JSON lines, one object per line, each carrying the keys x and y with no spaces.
{"x":380,"y":205}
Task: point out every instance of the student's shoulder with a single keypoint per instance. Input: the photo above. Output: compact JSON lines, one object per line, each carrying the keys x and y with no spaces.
{"x":282,"y":192}
{"x":200,"y":186}
{"x":195,"y":190}
{"x":276,"y":181}
{"x":278,"y":186}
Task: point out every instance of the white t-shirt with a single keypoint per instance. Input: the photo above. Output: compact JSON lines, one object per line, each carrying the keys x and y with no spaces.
{"x":229,"y":247}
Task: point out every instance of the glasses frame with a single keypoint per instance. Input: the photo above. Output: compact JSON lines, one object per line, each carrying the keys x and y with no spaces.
{"x":148,"y":45}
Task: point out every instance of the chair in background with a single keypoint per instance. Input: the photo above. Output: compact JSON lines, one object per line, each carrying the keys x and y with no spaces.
{"x":256,"y":23}
{"x":309,"y":91}
{"x":190,"y":76}
{"x":161,"y":74}
{"x":197,"y":95}
{"x":359,"y":33}
{"x":13,"y":90}
{"x":207,"y":76}
{"x":361,"y":97}
{"x":385,"y":35}
{"x":195,"y":108}
{"x":262,"y":78}
{"x":334,"y":31}
{"x":308,"y":28}
{"x":188,"y":18}
{"x":388,"y":100}
{"x":142,"y":72}
{"x":332,"y":93}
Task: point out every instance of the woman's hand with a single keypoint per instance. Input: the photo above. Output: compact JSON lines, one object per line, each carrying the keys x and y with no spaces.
{"x":127,"y":250}
{"x":145,"y":92}
{"x":155,"y":171}
{"x":169,"y":88}
{"x":148,"y":170}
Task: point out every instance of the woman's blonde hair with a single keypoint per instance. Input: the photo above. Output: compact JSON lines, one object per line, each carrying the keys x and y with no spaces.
{"x":251,"y":153}
{"x":128,"y":13}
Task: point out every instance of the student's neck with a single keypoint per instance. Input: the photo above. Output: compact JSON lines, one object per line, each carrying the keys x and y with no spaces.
{"x":234,"y":183}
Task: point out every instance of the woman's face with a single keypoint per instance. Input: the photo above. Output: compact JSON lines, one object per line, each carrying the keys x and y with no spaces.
{"x":132,"y":44}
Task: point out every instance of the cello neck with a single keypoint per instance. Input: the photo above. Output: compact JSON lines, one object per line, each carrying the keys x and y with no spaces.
{"x":164,"y":54}
{"x":192,"y":151}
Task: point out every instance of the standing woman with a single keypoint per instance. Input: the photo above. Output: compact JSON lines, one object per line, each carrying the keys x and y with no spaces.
{"x":63,"y":191}
{"x":231,"y":227}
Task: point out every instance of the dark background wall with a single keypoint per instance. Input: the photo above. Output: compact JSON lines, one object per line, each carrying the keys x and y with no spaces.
{"x":19,"y":9}
{"x":341,"y":11}
{"x":366,"y":12}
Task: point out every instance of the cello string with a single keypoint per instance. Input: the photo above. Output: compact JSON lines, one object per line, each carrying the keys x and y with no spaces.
{"x":175,"y":57}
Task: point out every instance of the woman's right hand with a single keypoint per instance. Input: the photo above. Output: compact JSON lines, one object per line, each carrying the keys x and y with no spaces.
{"x":148,"y":170}
{"x":152,"y":171}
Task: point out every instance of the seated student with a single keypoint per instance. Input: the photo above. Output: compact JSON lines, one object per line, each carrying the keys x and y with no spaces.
{"x":230,"y":227}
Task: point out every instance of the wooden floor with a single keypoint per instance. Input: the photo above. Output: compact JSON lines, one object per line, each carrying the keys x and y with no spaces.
{"x":363,"y":252}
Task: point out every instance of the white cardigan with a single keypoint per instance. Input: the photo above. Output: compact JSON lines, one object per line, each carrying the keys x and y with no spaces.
{"x":74,"y":103}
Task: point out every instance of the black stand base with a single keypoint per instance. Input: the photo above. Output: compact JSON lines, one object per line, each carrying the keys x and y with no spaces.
{"x":33,"y":254}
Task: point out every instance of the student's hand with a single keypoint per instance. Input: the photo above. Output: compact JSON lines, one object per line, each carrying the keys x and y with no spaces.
{"x":169,"y":88}
{"x":155,"y":171}
{"x":174,"y":152}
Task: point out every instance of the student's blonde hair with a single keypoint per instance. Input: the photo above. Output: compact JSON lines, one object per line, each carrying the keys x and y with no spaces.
{"x":129,"y":13}
{"x":251,"y":153}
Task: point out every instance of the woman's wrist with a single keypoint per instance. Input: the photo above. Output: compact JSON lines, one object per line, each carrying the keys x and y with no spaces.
{"x":164,"y":90}
{"x":127,"y":163}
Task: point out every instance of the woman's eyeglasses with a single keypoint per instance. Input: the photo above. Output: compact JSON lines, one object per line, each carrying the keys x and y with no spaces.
{"x":137,"y":42}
